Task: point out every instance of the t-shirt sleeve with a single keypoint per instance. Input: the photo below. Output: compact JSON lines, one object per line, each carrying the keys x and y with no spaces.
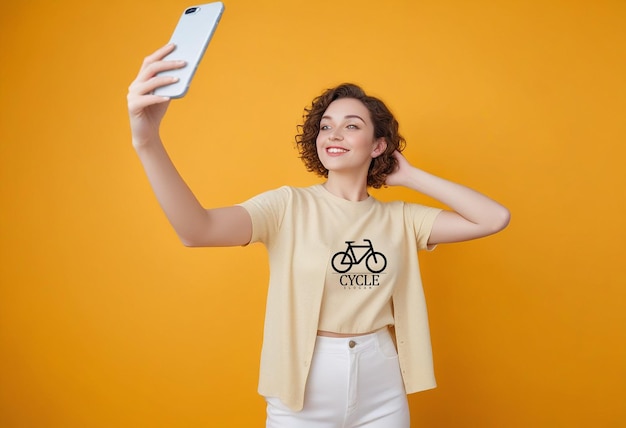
{"x":422,"y":219}
{"x":266,"y":211}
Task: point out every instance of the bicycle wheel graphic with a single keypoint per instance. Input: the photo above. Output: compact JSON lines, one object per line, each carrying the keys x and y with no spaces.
{"x":341,"y":262}
{"x":376,"y":262}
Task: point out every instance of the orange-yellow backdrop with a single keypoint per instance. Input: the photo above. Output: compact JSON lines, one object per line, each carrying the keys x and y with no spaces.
{"x":107,"y":321}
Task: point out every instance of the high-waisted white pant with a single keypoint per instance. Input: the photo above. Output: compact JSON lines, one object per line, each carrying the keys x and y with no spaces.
{"x":353,"y":382}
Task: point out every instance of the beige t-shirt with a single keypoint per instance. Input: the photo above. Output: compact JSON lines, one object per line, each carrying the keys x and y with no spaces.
{"x":304,"y":229}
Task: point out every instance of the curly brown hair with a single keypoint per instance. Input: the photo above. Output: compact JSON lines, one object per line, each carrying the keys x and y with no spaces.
{"x":385,"y":126}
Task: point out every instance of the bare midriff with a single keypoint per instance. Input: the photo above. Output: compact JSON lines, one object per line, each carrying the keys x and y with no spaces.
{"x":333,"y":334}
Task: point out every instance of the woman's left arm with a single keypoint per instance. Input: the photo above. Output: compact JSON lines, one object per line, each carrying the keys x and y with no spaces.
{"x":472,"y":215}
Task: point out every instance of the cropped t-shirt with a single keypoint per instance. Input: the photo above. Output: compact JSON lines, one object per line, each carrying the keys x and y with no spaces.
{"x":317,"y":240}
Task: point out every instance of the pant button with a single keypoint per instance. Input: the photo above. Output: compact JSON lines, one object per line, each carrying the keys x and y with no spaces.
{"x":352,"y":344}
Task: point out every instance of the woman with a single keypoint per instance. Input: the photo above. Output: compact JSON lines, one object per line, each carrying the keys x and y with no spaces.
{"x":346,"y":331}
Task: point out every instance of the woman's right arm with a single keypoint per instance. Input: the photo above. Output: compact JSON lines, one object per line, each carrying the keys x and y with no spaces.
{"x":195,"y":226}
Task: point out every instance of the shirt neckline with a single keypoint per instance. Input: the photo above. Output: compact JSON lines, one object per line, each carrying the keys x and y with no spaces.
{"x":328,"y":195}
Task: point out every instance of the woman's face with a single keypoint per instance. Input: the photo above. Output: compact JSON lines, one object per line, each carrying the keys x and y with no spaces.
{"x":346,"y":142}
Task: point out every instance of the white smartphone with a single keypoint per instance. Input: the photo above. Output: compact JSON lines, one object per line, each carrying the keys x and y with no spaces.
{"x":191,"y":37}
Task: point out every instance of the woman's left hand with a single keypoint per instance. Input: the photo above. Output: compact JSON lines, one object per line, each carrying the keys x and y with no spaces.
{"x":400,"y":176}
{"x":471,"y":215}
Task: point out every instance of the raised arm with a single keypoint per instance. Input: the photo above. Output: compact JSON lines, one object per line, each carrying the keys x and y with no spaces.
{"x":472,"y":215}
{"x":194,"y":225}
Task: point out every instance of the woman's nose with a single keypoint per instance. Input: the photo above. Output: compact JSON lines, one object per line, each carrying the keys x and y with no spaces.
{"x":335,"y":135}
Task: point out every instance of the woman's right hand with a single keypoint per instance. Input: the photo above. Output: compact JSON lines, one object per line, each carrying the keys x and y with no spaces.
{"x":146,"y":110}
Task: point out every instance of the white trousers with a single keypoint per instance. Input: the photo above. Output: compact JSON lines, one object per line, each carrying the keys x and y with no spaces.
{"x":353,"y":382}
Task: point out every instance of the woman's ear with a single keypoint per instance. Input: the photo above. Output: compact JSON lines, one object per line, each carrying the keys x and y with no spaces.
{"x":379,"y":147}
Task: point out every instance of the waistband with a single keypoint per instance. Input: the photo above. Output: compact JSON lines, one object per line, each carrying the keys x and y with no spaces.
{"x":354,"y":343}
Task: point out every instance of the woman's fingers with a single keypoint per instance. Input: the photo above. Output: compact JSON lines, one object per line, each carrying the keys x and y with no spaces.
{"x":160,"y":53}
{"x":136,"y":104}
{"x":148,"y":78}
{"x":146,"y":87}
{"x":152,"y":69}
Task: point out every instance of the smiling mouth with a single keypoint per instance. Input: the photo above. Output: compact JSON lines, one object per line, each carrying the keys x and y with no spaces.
{"x":336,"y":150}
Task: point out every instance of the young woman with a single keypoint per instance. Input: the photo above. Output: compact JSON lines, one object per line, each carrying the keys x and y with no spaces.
{"x":346,"y":331}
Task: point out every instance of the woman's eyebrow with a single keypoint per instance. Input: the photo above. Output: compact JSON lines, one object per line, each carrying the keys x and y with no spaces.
{"x":350,"y":116}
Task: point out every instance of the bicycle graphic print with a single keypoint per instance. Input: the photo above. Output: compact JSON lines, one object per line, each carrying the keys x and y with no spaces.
{"x":375,"y":261}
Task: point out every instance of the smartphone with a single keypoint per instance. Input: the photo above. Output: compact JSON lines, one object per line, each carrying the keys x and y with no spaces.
{"x":191,"y":37}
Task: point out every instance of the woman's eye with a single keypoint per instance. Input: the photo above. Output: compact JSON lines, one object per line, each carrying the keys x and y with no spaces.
{"x":352,"y":127}
{"x":324,"y":127}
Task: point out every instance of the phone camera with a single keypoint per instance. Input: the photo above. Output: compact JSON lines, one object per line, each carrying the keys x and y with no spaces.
{"x":191,"y":10}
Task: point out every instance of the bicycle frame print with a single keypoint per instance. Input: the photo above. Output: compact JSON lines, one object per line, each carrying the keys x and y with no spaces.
{"x":375,"y":261}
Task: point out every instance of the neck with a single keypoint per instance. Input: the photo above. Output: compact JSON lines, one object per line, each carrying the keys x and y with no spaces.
{"x":347,"y":187}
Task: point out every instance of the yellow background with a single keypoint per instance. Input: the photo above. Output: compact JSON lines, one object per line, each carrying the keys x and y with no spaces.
{"x":106,"y":320}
